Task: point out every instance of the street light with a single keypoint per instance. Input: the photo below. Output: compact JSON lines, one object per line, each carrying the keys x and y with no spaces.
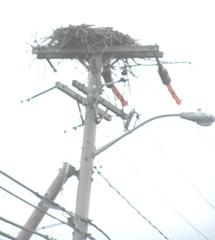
{"x":201,"y":118}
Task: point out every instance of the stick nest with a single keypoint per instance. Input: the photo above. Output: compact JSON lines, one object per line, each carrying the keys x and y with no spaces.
{"x":86,"y":36}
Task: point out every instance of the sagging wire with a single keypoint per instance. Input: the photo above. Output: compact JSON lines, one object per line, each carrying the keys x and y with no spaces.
{"x":145,"y":218}
{"x":55,"y":206}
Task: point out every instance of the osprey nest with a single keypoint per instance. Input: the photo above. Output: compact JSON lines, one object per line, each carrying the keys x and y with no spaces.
{"x":89,"y":40}
{"x":86,"y":37}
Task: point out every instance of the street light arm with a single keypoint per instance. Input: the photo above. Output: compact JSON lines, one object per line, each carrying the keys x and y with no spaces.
{"x":100,"y":150}
{"x":201,"y":118}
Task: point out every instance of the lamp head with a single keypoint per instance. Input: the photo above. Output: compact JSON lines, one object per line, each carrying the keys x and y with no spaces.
{"x":201,"y":118}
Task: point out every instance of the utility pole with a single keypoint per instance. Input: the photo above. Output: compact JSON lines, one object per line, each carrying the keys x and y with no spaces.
{"x":94,"y":48}
{"x":32,"y":223}
{"x":88,"y":151}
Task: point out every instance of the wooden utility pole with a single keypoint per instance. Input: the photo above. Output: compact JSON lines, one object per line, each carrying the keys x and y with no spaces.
{"x":93,"y":48}
{"x":88,"y":151}
{"x":32,"y":223}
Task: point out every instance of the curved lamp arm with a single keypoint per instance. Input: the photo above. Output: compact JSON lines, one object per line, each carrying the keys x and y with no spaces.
{"x":201,"y":118}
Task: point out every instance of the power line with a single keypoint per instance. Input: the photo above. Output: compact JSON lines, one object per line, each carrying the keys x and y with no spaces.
{"x":176,"y":166}
{"x":46,"y":200}
{"x":28,"y":230}
{"x":55,"y":205}
{"x":21,"y":199}
{"x":100,"y":230}
{"x":131,"y":204}
{"x":205,"y":139}
{"x":43,"y":227}
{"x":181,"y":172}
{"x":88,"y":221}
{"x":202,"y":135}
{"x":7,"y":235}
{"x":174,"y":209}
{"x":188,"y":180}
{"x":22,"y":185}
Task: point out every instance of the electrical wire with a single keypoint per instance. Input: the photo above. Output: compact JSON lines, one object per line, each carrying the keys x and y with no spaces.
{"x":7,"y":235}
{"x":205,"y":139}
{"x":155,"y":64}
{"x":197,"y":189}
{"x":202,"y":135}
{"x":182,"y":173}
{"x":100,"y":230}
{"x":55,"y":205}
{"x":167,"y":202}
{"x":39,"y":209}
{"x":190,"y":224}
{"x":27,"y":188}
{"x":28,"y":230}
{"x":145,"y":218}
{"x":88,"y":221}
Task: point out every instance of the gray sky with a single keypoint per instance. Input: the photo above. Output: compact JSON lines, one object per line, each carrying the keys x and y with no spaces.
{"x":166,"y":169}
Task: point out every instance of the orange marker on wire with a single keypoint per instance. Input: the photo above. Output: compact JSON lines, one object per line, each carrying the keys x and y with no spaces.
{"x":119,"y":96}
{"x":174,"y":95}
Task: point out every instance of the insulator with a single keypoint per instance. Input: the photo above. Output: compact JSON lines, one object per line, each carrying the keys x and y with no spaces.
{"x":164,"y":75}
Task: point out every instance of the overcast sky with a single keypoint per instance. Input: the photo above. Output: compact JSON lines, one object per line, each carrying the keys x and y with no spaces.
{"x":165,"y":169}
